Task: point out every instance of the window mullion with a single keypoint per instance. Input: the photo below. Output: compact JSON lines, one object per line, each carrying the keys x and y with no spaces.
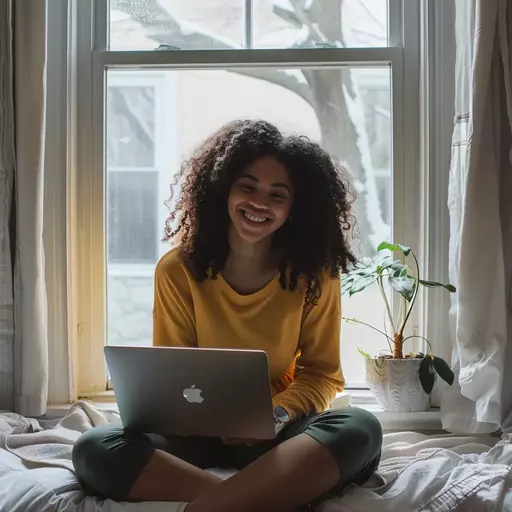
{"x":439,"y":72}
{"x":248,"y":23}
{"x":395,"y":23}
{"x":101,"y":24}
{"x":408,"y":198}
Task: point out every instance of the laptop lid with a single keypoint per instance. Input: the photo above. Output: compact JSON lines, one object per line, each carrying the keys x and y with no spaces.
{"x":193,"y":391}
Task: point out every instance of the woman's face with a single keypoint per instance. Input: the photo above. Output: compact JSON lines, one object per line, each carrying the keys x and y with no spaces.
{"x":260,"y":200}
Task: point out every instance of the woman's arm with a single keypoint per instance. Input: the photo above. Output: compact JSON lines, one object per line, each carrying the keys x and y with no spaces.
{"x":319,"y":375}
{"x":173,"y":309}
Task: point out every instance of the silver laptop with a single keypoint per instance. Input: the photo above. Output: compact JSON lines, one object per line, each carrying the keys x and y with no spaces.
{"x":193,"y":391}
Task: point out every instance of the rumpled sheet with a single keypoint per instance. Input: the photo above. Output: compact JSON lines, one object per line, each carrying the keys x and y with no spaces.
{"x":417,"y":472}
{"x":435,"y":474}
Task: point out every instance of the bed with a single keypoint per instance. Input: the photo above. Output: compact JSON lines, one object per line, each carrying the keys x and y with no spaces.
{"x":417,"y":472}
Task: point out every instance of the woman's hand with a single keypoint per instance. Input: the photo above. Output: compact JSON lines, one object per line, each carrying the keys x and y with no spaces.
{"x":281,"y":420}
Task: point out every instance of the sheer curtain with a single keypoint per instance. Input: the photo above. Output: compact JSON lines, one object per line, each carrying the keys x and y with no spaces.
{"x":480,"y":203}
{"x":23,"y":311}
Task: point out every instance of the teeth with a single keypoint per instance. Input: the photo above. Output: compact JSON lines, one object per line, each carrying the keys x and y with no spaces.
{"x":253,"y":218}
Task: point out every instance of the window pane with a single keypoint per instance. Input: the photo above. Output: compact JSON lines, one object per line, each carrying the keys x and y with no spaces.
{"x":218,"y":24}
{"x":132,"y":220}
{"x":346,"y":110}
{"x":310,"y":23}
{"x":183,"y":24}
{"x":130,"y":126}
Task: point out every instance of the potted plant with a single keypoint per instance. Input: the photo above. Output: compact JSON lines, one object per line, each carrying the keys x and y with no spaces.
{"x":400,"y":382}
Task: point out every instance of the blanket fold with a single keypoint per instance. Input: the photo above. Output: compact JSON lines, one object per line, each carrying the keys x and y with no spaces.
{"x":29,"y":440}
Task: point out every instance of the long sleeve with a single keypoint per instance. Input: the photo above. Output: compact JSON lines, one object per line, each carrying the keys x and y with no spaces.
{"x":319,"y":377}
{"x":173,"y":309}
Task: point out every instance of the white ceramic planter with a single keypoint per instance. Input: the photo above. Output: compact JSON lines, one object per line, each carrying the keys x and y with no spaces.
{"x":395,"y":383}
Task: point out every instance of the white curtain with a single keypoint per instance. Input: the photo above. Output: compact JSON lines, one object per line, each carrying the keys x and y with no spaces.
{"x":480,"y":203}
{"x":23,"y":311}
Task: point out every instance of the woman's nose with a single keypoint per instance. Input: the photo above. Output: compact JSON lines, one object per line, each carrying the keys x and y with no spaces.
{"x":259,"y":201}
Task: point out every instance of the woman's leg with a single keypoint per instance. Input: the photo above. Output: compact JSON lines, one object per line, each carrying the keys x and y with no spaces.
{"x":168,"y":478}
{"x":318,"y":455}
{"x":292,"y":474}
{"x":112,"y":463}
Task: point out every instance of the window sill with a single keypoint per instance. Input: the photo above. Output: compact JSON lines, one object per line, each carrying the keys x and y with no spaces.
{"x":428,"y":422}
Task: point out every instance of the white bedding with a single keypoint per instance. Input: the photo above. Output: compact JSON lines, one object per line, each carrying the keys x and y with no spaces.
{"x":417,"y":473}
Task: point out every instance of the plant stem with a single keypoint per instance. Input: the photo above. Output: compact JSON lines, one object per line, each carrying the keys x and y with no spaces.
{"x":398,"y":346}
{"x":355,"y":321}
{"x":413,"y":300}
{"x":402,"y":310}
{"x":386,"y":302}
{"x":422,"y":338}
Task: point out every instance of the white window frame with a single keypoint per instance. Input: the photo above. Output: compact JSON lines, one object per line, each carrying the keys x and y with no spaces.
{"x":87,"y":262}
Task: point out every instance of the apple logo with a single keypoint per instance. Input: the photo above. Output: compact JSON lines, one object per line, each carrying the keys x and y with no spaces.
{"x":193,"y":395}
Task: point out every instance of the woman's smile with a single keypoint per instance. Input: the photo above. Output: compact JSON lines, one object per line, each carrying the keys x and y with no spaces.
{"x":260,"y":200}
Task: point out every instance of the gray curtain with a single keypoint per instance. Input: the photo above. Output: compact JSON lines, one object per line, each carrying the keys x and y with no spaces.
{"x":6,"y":206}
{"x":23,"y":310}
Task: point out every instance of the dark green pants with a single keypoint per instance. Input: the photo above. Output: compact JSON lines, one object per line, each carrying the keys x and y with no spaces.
{"x":108,"y":459}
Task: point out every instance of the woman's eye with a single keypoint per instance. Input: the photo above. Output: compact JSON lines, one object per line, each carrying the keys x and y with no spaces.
{"x":245,"y":188}
{"x":279,"y":197}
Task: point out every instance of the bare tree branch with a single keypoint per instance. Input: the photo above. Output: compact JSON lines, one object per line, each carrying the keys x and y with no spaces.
{"x":287,"y":15}
{"x":314,"y":31}
{"x":300,"y":19}
{"x":164,"y":28}
{"x":370,"y":14}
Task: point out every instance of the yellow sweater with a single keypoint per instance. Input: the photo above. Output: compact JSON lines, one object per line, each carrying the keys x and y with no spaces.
{"x":302,"y":343}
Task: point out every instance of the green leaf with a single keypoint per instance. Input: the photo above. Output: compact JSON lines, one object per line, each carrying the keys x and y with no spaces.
{"x":427,"y":375}
{"x":434,"y":284}
{"x":347,"y":280}
{"x":404,"y":249}
{"x":401,"y":271}
{"x":387,"y":246}
{"x":364,"y":354}
{"x":403,"y":285}
{"x":360,"y":270}
{"x":359,"y":279}
{"x":361,"y":284}
{"x":443,"y":370}
{"x":384,"y":264}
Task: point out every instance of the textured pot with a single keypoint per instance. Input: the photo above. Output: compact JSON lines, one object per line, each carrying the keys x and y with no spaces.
{"x":395,"y":383}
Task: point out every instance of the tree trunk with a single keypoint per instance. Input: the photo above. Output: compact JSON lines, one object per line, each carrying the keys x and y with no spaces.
{"x":342,"y":136}
{"x":340,"y":139}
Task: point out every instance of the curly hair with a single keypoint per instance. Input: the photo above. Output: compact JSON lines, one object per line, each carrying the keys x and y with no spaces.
{"x":316,"y":238}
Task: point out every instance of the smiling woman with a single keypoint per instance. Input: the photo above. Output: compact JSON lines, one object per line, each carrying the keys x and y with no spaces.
{"x":289,"y":181}
{"x":262,"y":236}
{"x":261,"y":199}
